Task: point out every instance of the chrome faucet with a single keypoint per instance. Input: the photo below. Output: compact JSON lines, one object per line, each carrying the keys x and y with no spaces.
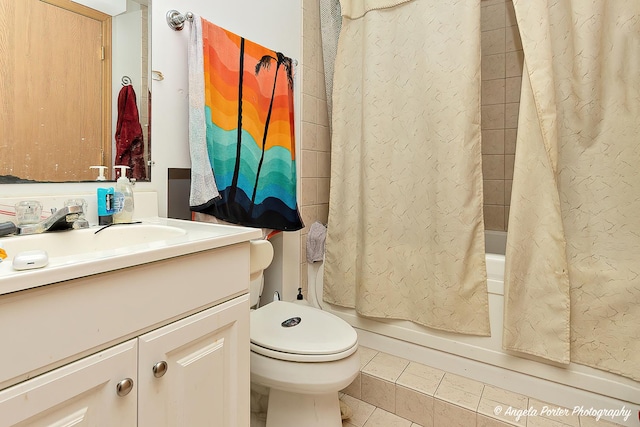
{"x":60,"y":219}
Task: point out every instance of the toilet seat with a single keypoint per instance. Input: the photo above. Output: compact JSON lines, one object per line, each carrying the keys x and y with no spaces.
{"x":318,"y":336}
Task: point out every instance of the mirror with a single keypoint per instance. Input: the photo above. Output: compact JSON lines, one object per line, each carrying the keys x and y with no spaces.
{"x":63,"y":68}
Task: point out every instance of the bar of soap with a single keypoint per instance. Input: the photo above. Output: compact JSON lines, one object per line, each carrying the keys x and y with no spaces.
{"x":29,"y":260}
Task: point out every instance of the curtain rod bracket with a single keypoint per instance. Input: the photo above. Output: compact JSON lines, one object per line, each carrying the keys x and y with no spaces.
{"x":175,"y":19}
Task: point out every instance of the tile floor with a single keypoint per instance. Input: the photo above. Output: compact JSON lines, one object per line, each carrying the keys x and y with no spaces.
{"x":392,"y":392}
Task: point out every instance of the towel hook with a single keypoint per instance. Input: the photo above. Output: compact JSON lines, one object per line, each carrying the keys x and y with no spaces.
{"x":126,"y":80}
{"x":176,"y":20}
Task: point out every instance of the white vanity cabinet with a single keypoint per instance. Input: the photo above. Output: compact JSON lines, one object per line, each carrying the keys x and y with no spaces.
{"x":83,"y":393}
{"x":194,"y":372}
{"x":170,"y":336}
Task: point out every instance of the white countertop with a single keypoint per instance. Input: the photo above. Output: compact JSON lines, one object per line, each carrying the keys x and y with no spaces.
{"x":74,"y":262}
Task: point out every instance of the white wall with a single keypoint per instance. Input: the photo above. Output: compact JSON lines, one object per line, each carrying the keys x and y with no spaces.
{"x":127,"y":45}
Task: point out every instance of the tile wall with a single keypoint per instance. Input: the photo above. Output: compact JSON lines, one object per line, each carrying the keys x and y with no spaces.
{"x":501,"y":77}
{"x":315,"y":146}
{"x":502,"y":58}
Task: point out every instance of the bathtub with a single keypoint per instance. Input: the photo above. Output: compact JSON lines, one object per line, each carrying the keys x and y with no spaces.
{"x":483,"y":359}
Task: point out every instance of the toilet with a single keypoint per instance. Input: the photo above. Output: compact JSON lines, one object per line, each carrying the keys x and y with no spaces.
{"x":302,"y":354}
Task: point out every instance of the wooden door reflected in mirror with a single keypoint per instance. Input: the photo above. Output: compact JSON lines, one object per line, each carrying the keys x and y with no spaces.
{"x":58,"y":99}
{"x":55,"y":108}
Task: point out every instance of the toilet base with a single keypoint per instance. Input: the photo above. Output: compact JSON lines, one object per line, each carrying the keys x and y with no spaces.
{"x":309,"y":410}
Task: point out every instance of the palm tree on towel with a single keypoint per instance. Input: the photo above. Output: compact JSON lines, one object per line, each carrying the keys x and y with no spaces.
{"x":265,"y":63}
{"x":236,"y":169}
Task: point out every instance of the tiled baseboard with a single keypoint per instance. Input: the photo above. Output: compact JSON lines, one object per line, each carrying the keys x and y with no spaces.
{"x":430,"y":397}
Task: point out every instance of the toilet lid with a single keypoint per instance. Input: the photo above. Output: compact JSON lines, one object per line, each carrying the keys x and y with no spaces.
{"x":298,"y":329}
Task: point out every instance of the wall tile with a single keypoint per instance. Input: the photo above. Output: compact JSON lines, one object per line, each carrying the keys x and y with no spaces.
{"x":493,"y":141}
{"x":355,"y":388}
{"x":366,"y":355}
{"x":506,"y":217}
{"x":494,"y":218}
{"x":309,"y":108}
{"x":493,"y":166}
{"x":323,"y":118}
{"x":323,"y":190}
{"x":484,"y":421}
{"x":492,"y":116}
{"x":512,"y":89}
{"x":324,"y":164}
{"x":509,"y":160}
{"x":490,"y":2}
{"x":309,"y":26}
{"x":414,"y":406}
{"x":512,"y":40}
{"x":309,"y":6}
{"x":508,"y":184}
{"x":309,"y":166}
{"x":493,"y":66}
{"x":309,"y":191}
{"x":494,"y":192}
{"x":510,"y":14}
{"x":493,"y":16}
{"x":309,"y":214}
{"x":321,"y":91}
{"x":493,"y":41}
{"x":310,"y":52}
{"x":513,"y":63}
{"x":323,"y":213}
{"x":386,"y":367}
{"x":566,"y":418}
{"x":309,"y":136}
{"x":494,"y":397}
{"x":379,"y":393}
{"x":303,"y":280}
{"x":309,"y":81}
{"x":446,"y":414}
{"x":510,"y":141}
{"x":324,"y":140}
{"x":511,"y":112}
{"x":461,"y":391}
{"x":493,"y":92}
{"x":303,"y":250}
{"x":424,"y":379}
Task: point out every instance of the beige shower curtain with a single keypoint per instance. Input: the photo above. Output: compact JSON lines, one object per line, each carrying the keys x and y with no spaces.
{"x":405,"y":237}
{"x":573,"y":250}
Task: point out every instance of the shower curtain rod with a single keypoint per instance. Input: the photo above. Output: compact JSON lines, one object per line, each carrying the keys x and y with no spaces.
{"x":175,"y":19}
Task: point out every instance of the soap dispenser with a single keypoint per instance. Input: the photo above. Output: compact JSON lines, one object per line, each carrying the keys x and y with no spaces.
{"x":124,"y":198}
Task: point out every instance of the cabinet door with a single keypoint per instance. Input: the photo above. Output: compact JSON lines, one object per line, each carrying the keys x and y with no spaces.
{"x":83,"y":393}
{"x":195,"y":372}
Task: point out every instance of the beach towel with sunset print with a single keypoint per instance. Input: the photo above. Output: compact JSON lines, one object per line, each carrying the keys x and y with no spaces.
{"x":250,"y":131}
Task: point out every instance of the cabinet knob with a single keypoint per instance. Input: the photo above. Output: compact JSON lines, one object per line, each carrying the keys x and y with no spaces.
{"x":160,"y":368}
{"x":124,"y":387}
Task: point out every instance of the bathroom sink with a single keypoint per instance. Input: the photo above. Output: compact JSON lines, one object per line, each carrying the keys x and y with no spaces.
{"x":92,"y":240}
{"x":79,"y":253}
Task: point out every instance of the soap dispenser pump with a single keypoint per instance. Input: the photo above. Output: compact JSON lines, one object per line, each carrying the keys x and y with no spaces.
{"x":101,"y":170}
{"x":124,"y":198}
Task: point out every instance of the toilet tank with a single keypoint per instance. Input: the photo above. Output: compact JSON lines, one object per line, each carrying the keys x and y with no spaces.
{"x":261,"y":256}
